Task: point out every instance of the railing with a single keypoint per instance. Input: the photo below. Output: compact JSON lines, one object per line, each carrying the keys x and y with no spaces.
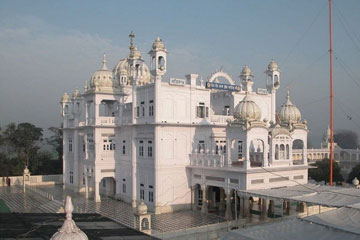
{"x":220,"y":118}
{"x":108,"y":154}
{"x":207,"y":160}
{"x":103,"y":121}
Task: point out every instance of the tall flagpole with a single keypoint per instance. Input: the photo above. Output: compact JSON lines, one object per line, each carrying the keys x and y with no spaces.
{"x":331,"y":101}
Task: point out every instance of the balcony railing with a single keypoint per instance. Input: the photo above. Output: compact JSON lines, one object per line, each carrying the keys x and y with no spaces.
{"x":103,"y":121}
{"x":207,"y":160}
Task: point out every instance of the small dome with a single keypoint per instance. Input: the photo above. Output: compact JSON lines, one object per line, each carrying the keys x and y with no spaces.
{"x":272,"y":66}
{"x":69,"y":230}
{"x":76,"y":93}
{"x":142,"y":208}
{"x":247,"y":110}
{"x":289,"y":113}
{"x":158,"y":45}
{"x":246,"y":72}
{"x":65,"y":98}
{"x":103,"y":78}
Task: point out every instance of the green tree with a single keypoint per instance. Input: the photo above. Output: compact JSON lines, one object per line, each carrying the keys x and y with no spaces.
{"x":355,"y":172}
{"x":23,"y":142}
{"x":322,"y":171}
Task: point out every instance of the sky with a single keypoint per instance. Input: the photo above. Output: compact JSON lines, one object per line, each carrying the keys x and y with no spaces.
{"x":51,"y":47}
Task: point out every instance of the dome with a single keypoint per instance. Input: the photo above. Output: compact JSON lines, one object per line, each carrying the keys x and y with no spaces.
{"x":103,"y":78}
{"x":76,"y":93}
{"x":69,"y":230}
{"x":247,"y":110}
{"x":289,"y":113}
{"x":65,"y":98}
{"x":158,"y":45}
{"x":246,"y":72}
{"x":142,"y":208}
{"x":272,"y":66}
{"x":121,"y":71}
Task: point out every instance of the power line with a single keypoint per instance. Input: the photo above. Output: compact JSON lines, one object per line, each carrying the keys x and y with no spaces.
{"x":304,"y":34}
{"x":347,"y":70}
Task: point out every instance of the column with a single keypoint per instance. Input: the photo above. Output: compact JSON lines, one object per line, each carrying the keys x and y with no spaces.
{"x":222,"y":200}
{"x":264,"y":208}
{"x":204,"y":207}
{"x":76,"y":149}
{"x":193,"y":198}
{"x":271,"y":209}
{"x":97,"y":192}
{"x":245,"y":207}
{"x":228,"y":213}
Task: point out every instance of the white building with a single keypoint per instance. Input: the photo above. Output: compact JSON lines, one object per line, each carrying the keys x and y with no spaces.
{"x":136,"y":133}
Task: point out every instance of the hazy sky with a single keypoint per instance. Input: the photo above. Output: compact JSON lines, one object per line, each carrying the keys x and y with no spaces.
{"x":51,"y":47}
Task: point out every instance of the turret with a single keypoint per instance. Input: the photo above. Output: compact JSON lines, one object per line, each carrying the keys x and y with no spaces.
{"x":158,"y":54}
{"x":273,"y":76}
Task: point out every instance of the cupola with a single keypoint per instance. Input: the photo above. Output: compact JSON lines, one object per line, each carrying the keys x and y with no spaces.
{"x":103,"y":78}
{"x":76,"y":94}
{"x":289,"y":113}
{"x":65,"y":98}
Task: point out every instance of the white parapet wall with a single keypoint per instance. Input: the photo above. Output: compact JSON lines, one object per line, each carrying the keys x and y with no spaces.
{"x":34,"y":180}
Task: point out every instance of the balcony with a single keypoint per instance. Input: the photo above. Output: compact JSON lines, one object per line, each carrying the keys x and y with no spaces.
{"x":207,"y":160}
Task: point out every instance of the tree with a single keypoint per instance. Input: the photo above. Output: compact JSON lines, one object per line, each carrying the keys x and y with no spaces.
{"x":322,"y":172}
{"x":23,"y":141}
{"x":355,"y":172}
{"x":346,"y":139}
{"x":56,"y":141}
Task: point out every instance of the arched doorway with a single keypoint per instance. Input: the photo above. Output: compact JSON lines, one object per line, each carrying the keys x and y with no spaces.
{"x":107,"y":187}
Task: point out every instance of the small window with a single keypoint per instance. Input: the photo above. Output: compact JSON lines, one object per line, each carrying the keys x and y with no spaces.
{"x":201,"y":146}
{"x":124,"y":147}
{"x":124,"y":187}
{"x":151,"y":196}
{"x":150,"y":149}
{"x":141,"y":148}
{"x":142,"y":194}
{"x":70,"y":145}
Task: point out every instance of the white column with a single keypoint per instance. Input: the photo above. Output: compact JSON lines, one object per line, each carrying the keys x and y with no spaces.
{"x":97,"y":192}
{"x":193,"y":198}
{"x":133,"y":168}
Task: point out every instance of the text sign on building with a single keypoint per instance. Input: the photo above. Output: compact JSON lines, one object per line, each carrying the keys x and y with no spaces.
{"x":177,"y":81}
{"x":261,"y":91}
{"x":223,"y":86}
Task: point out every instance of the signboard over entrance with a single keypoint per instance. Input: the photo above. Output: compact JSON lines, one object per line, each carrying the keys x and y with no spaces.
{"x":222,"y":86}
{"x":177,"y":81}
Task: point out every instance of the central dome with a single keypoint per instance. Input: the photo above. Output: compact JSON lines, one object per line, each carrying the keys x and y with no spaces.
{"x":122,"y":72}
{"x":247,"y":110}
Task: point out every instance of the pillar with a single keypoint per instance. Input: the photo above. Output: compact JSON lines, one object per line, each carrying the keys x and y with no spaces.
{"x":245,"y":207}
{"x":222,"y":200}
{"x":204,"y":207}
{"x":264,"y":208}
{"x":97,"y":192}
{"x":213,"y":197}
{"x":228,"y":213}
{"x":193,"y":198}
{"x":271,"y":209}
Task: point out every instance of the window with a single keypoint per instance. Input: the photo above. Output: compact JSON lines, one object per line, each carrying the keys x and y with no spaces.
{"x":240,"y":149}
{"x":287,"y":151}
{"x":108,"y":145}
{"x":124,"y":186}
{"x":150,"y":149}
{"x":202,"y":111}
{"x":151,"y":108}
{"x":142,"y":194}
{"x":151,"y":196}
{"x":71,"y":176}
{"x":220,"y":147}
{"x":137,"y":109}
{"x":227,"y":110}
{"x":142,"y":109}
{"x":70,"y":145}
{"x":141,"y":148}
{"x":83,"y":147}
{"x":201,"y":146}
{"x":91,"y":144}
{"x":124,"y":147}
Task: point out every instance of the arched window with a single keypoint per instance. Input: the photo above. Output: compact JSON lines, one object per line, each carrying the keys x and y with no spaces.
{"x":276,"y":152}
{"x":282,"y":151}
{"x":161,"y":63}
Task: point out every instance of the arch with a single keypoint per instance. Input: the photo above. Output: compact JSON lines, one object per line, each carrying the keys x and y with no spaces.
{"x":256,"y":152}
{"x":107,"y":187}
{"x":222,"y":75}
{"x":145,"y":224}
